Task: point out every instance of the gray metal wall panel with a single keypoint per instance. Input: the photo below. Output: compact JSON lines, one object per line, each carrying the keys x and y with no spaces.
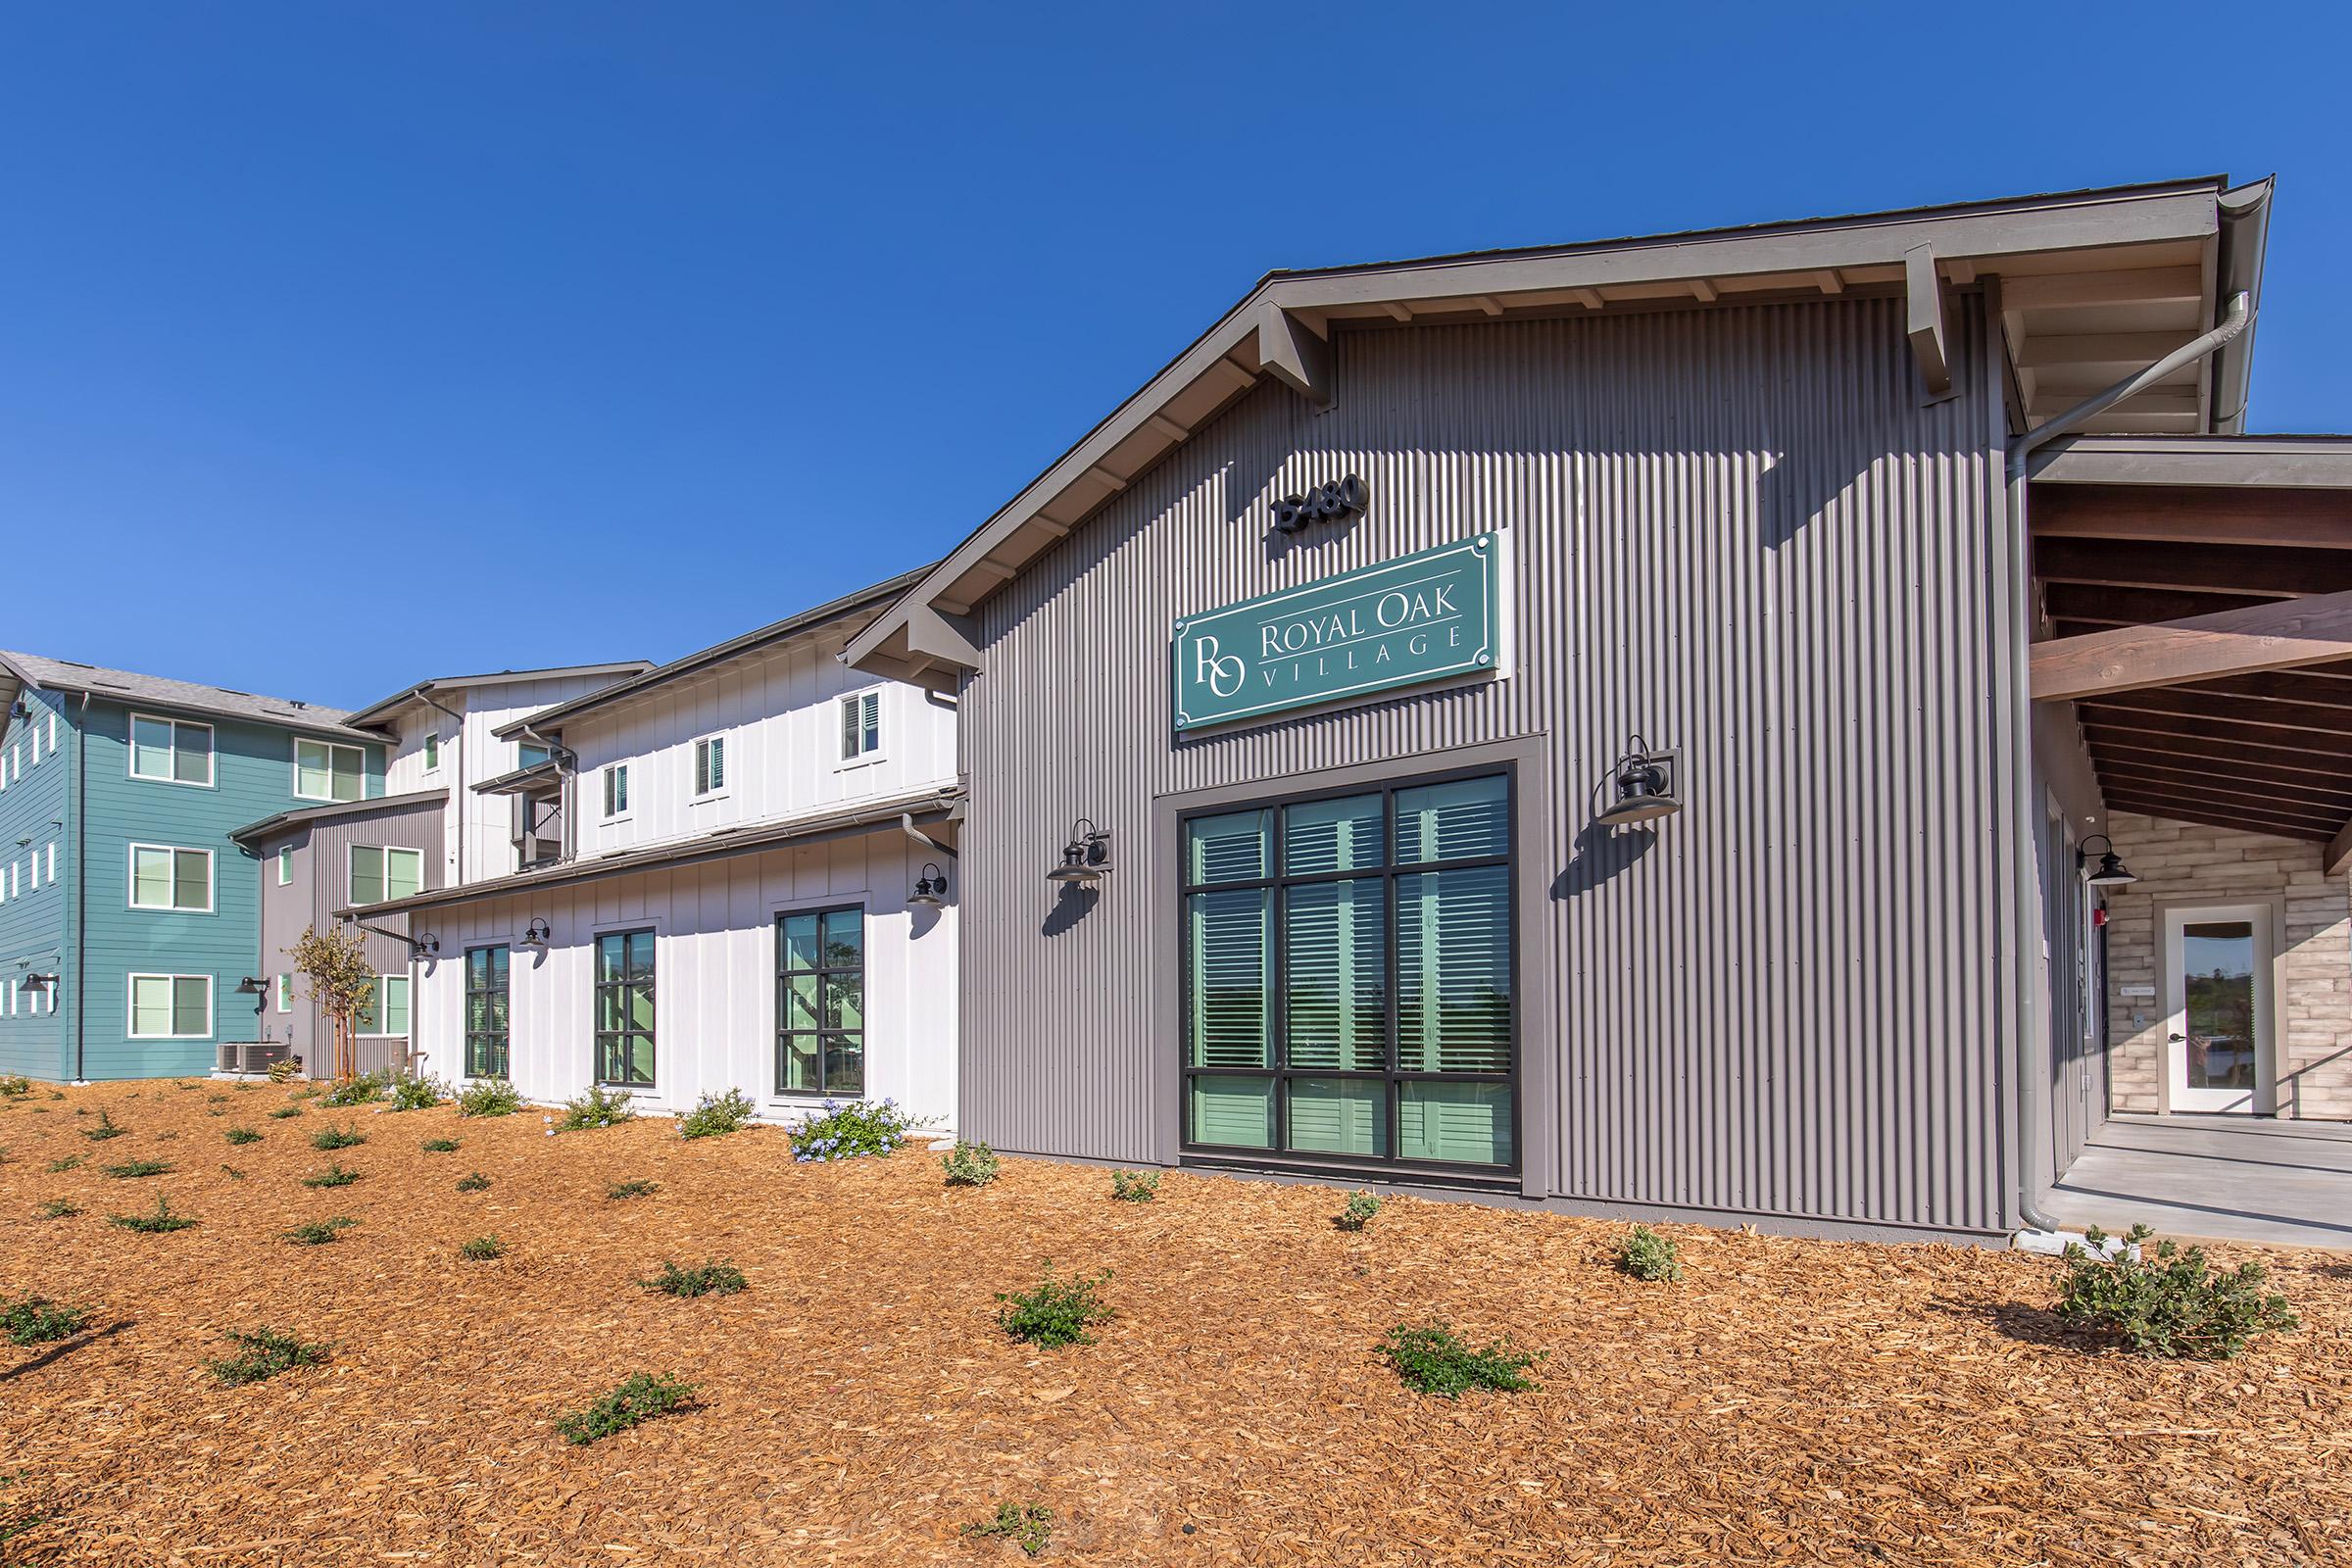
{"x":1734,"y":530}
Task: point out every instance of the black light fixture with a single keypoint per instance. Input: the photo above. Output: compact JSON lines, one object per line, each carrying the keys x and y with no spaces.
{"x":424,"y":947}
{"x":535,"y":935}
{"x":37,"y":983}
{"x":2112,"y":872}
{"x":1644,"y":786}
{"x":930,"y":889}
{"x":1086,"y":857}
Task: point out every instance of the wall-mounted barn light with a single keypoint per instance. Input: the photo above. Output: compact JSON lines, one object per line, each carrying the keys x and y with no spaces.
{"x":1086,"y":857}
{"x":535,"y":936}
{"x":930,"y":889}
{"x":36,"y":985}
{"x":2111,"y":872}
{"x":1644,"y":786}
{"x":424,"y":947}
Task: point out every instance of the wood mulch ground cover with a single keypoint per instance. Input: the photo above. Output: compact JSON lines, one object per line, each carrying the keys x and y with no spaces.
{"x":1788,"y":1401}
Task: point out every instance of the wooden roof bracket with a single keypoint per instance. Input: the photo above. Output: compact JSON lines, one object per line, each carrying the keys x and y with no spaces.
{"x":1931,"y":336}
{"x":1296,"y":353}
{"x":940,"y":638}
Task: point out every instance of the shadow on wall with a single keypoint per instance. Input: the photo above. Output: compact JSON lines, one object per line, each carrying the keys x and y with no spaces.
{"x":1074,"y":903}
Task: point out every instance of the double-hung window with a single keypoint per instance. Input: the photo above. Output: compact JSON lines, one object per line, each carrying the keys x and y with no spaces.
{"x":378,"y":873}
{"x":170,"y":751}
{"x":326,"y":772}
{"x":821,"y":1002}
{"x":486,"y":1012}
{"x":166,"y":878}
{"x":384,"y":1007}
{"x":710,"y":764}
{"x":617,"y":790}
{"x":1348,"y":991}
{"x":171,"y":1007}
{"x":861,"y":727}
{"x":624,"y":1009}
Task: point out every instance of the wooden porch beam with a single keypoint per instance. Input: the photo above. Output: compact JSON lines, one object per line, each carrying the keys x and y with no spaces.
{"x":2339,"y":850}
{"x":2285,"y":635}
{"x":2194,"y":515}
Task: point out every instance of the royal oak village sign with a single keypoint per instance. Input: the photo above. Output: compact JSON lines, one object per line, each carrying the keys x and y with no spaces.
{"x":1417,"y":618}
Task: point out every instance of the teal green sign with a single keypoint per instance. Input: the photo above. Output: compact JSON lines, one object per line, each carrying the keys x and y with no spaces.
{"x":1420,"y":617}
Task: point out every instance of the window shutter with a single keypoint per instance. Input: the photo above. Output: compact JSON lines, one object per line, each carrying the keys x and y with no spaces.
{"x":718,"y":763}
{"x":849,"y":730}
{"x":609,"y":806}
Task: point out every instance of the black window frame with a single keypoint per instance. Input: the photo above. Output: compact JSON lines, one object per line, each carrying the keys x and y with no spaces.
{"x":824,"y":971}
{"x":598,"y":986}
{"x":1278,"y":1071}
{"x":504,"y":992}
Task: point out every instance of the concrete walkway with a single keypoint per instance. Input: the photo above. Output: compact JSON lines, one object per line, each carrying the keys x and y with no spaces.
{"x":2229,"y":1178}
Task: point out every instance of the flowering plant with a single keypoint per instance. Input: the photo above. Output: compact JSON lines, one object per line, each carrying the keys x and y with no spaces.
{"x":846,"y":1131}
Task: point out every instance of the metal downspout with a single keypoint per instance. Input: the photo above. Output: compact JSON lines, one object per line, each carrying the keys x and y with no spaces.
{"x":2033,"y":1114}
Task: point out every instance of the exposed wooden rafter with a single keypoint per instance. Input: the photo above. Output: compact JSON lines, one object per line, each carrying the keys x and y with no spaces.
{"x":2273,"y":636}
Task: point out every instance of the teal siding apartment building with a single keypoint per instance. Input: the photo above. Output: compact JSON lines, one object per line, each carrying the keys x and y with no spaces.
{"x":129,"y":917}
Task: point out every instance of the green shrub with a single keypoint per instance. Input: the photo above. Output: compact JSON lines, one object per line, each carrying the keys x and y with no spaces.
{"x":439,"y":1146}
{"x":716,"y":1116}
{"x":232,"y":1173}
{"x":1058,"y":1313}
{"x":1361,"y":1207}
{"x":105,"y":1129}
{"x":481,"y":1249}
{"x":2173,"y":1304}
{"x":132,"y":1169}
{"x":710,"y":1278}
{"x":13,"y":1088}
{"x":57,"y":1167}
{"x":242,"y":1135}
{"x":598,"y":1108}
{"x":640,"y":1188}
{"x":1433,"y":1361}
{"x":1135,"y":1186}
{"x":364,"y":1090}
{"x":336,"y":1175}
{"x":1646,"y":1256}
{"x":970,"y":1165}
{"x":264,"y":1355}
{"x":1026,"y":1525}
{"x":489,"y":1096}
{"x":417,"y":1094}
{"x":473,"y":1181}
{"x":639,"y":1398}
{"x":860,"y":1127}
{"x":58,"y":1208}
{"x":318,"y":1232}
{"x":327,"y":1138}
{"x":283,"y":1111}
{"x":155,"y":1224}
{"x":38,"y":1320}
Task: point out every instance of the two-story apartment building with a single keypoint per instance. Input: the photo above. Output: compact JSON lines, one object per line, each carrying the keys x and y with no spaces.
{"x":432,"y":830}
{"x":735,"y":871}
{"x":124,"y":899}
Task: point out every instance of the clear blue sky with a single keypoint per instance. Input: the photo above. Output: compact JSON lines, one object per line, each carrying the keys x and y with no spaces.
{"x":343,"y":345}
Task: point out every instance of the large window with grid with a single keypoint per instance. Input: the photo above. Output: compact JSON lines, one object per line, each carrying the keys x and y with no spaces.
{"x":624,"y":1009}
{"x":486,"y":1012}
{"x":821,"y":1002}
{"x":1348,"y":986}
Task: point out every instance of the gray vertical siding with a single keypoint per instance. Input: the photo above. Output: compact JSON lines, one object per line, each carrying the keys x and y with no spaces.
{"x":321,"y":885}
{"x":1734,"y":530}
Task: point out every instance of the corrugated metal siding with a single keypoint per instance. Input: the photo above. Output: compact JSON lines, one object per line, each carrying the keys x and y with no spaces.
{"x":1734,"y":530}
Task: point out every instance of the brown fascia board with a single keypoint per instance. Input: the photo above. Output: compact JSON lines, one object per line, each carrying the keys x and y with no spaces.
{"x":621,"y":669}
{"x":1259,"y":336}
{"x":2255,"y":462}
{"x":874,"y":597}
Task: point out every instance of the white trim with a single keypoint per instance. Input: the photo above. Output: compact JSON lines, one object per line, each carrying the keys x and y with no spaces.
{"x":131,"y":1004}
{"x":386,"y":1034}
{"x":604,"y":792}
{"x":130,"y":879}
{"x":332,"y":747}
{"x":388,"y":850}
{"x":212,"y":752}
{"x":429,"y":751}
{"x":285,"y":864}
{"x":2261,"y":918}
{"x":726,"y":766}
{"x":881,"y":749}
{"x":282,"y":992}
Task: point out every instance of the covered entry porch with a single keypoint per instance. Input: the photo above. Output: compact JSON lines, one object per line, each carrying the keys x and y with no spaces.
{"x":2192,"y":675}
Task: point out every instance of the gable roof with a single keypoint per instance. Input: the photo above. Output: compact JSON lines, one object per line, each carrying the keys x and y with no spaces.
{"x":2149,"y":263}
{"x":862,"y":602}
{"x":377,"y":712}
{"x":269,"y":827}
{"x":35,"y":672}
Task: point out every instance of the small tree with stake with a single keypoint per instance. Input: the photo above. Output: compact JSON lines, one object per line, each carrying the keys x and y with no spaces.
{"x":335,"y":965}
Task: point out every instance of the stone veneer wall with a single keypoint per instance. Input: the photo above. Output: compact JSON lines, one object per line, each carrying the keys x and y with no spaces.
{"x":2181,"y":859}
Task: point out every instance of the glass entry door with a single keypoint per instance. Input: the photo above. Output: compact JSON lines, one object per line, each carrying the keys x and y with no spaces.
{"x":2217,"y":1039}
